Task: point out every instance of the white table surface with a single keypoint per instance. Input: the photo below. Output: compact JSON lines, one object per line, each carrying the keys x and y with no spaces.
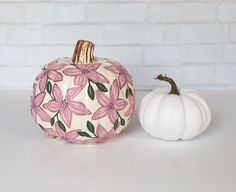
{"x":32,"y":162}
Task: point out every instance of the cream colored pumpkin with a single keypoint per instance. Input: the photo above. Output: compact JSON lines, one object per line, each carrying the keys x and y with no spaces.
{"x":175,"y":115}
{"x":84,"y":99}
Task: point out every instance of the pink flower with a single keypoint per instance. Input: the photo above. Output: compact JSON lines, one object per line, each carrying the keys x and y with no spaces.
{"x":130,"y":111}
{"x":85,"y":72}
{"x":109,"y":105}
{"x":50,"y":73}
{"x":123,"y":75}
{"x":65,"y":105}
{"x":36,"y":101}
{"x":69,"y":136}
{"x":102,"y":134}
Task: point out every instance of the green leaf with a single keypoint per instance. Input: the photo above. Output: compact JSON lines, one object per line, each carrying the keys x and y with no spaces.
{"x":52,"y":121}
{"x":61,"y":125}
{"x":90,"y":92}
{"x":49,"y":87}
{"x":127,"y":93}
{"x":122,"y":122}
{"x":90,"y":127}
{"x":83,"y":134}
{"x":116,"y":124}
{"x":130,"y":91}
{"x":101,"y":87}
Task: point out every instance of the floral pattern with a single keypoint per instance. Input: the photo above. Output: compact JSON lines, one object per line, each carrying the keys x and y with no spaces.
{"x":65,"y":93}
{"x":109,"y":105}
{"x":50,"y":73}
{"x":65,"y":105}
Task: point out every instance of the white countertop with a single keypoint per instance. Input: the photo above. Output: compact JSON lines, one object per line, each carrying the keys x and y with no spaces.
{"x":32,"y":162}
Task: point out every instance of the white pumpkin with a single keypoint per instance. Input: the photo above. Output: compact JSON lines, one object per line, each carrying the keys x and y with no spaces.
{"x":174,"y":115}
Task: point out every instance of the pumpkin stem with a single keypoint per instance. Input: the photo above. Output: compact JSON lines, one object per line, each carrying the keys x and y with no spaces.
{"x":84,"y":52}
{"x":174,"y":88}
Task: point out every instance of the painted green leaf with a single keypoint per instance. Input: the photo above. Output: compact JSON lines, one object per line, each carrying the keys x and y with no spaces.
{"x":61,"y":125}
{"x":101,"y":87}
{"x":52,"y":121}
{"x":90,"y":92}
{"x":130,"y":91}
{"x":127,"y":93}
{"x":83,"y":134}
{"x":122,"y":122}
{"x":90,"y":127}
{"x":49,"y":87}
{"x":116,"y":124}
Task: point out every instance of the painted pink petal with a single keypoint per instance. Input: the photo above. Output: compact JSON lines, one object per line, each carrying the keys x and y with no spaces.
{"x":114,"y":91}
{"x":34,"y":91}
{"x":112,"y":114}
{"x":72,"y":92}
{"x":56,"y":66}
{"x":59,"y":131}
{"x":72,"y":72}
{"x":66,"y":116}
{"x":41,"y":74}
{"x":56,"y":91}
{"x":42,"y":114}
{"x":101,"y":112}
{"x":34,"y":114}
{"x":129,"y":78}
{"x":72,"y":134}
{"x":55,"y":76}
{"x":51,"y":132}
{"x":91,"y":66}
{"x":102,"y":98}
{"x":78,"y":108}
{"x":115,"y":68}
{"x":38,"y":99}
{"x":52,"y":106}
{"x":43,"y":82}
{"x":95,"y":76}
{"x":129,"y":112}
{"x":101,"y":131}
{"x":122,"y":80}
{"x":81,"y":80}
{"x":120,"y":104}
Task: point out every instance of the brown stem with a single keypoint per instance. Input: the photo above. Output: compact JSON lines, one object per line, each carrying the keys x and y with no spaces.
{"x":174,"y":88}
{"x":84,"y":52}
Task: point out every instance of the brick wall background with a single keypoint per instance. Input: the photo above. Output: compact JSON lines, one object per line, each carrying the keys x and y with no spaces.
{"x":194,"y":41}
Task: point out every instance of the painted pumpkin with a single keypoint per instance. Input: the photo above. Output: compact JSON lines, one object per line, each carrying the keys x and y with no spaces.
{"x":174,"y":115}
{"x":84,"y":99}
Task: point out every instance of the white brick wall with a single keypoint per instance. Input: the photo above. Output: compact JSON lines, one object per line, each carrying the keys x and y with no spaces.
{"x":194,"y":41}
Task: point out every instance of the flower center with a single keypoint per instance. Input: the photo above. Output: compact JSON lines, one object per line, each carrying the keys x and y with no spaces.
{"x":110,"y":106}
{"x":63,"y":104}
{"x":85,"y":71}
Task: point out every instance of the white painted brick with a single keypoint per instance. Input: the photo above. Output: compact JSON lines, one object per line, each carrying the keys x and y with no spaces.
{"x":232,"y":36}
{"x":225,"y":74}
{"x":198,"y":74}
{"x":41,"y":55}
{"x":22,"y":77}
{"x":11,"y":55}
{"x":144,"y":76}
{"x":173,"y":34}
{"x":205,"y":33}
{"x":202,"y":53}
{"x":133,"y":34}
{"x":162,"y":55}
{"x":126,"y":55}
{"x":164,"y":13}
{"x":227,"y":12}
{"x":54,"y":12}
{"x":230,"y":53}
{"x":116,"y":12}
{"x":199,"y":12}
{"x":24,"y":34}
{"x":12,"y":12}
{"x":69,"y":34}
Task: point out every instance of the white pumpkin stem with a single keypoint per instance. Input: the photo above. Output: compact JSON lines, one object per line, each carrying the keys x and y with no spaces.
{"x":84,"y":52}
{"x":174,"y":88}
